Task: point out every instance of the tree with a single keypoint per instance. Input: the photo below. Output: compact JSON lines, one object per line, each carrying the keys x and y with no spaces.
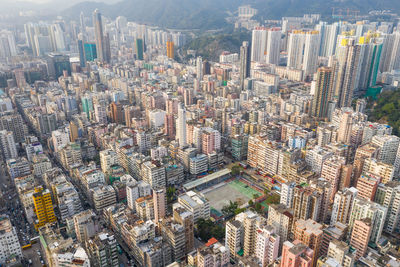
{"x":170,"y":194}
{"x":273,"y":199}
{"x":229,"y":210}
{"x":266,"y":192}
{"x":235,"y":170}
{"x":239,"y":210}
{"x":258,"y":207}
{"x":251,"y":202}
{"x":207,"y":229}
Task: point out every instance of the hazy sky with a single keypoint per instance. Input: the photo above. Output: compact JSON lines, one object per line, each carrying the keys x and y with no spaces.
{"x":24,"y":4}
{"x":69,"y":1}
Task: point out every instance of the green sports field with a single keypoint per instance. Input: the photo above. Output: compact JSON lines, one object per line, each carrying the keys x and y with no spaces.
{"x":232,"y":191}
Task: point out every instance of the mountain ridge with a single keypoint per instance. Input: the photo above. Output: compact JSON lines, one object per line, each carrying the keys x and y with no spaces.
{"x":211,"y":14}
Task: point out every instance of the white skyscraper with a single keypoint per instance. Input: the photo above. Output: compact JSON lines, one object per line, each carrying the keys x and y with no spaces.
{"x":267,"y":245}
{"x":388,"y":196}
{"x":311,"y":51}
{"x":273,"y":49}
{"x":181,"y":126}
{"x":258,"y":44}
{"x":329,"y":35}
{"x":295,"y":49}
{"x":57,"y":37}
{"x":100,"y":112}
{"x":390,"y":58}
{"x":7,"y":145}
{"x":287,"y":194}
{"x":8,"y":46}
{"x":199,"y":68}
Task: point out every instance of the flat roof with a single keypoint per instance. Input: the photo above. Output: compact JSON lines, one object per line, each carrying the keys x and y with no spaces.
{"x":193,"y":184}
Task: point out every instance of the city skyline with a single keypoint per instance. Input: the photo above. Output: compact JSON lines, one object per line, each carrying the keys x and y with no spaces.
{"x":271,"y":142}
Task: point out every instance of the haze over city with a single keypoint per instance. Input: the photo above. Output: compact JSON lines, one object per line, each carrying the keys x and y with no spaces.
{"x":212,"y":133}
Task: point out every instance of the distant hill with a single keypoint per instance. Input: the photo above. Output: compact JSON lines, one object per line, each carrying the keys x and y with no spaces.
{"x":211,"y":46}
{"x":211,"y":14}
{"x":180,"y":14}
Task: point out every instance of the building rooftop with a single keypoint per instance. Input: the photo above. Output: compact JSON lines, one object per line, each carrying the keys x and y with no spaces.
{"x":206,"y":179}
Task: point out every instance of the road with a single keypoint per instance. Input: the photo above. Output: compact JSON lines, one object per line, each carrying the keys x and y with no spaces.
{"x":14,"y":209}
{"x":31,"y":254}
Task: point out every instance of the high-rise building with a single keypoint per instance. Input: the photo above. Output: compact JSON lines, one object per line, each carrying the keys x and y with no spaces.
{"x":307,"y":203}
{"x":311,"y":51}
{"x":7,"y":44}
{"x":169,"y":125}
{"x":332,"y":172}
{"x":174,"y":234}
{"x":244,"y":63}
{"x":348,"y":71}
{"x":273,"y":49}
{"x":139,"y":48}
{"x":296,"y":254}
{"x":309,"y":233}
{"x":117,"y":113}
{"x":323,"y":92}
{"x":108,"y":158}
{"x":85,"y":225}
{"x":199,"y":68}
{"x":81,"y":50}
{"x":281,"y":218}
{"x":332,"y":233}
{"x":211,"y":141}
{"x":90,"y":51}
{"x":170,"y":49}
{"x":100,"y":112}
{"x":370,"y":61}
{"x":340,"y":252}
{"x":267,"y":245}
{"x":135,"y":190}
{"x":13,"y":122}
{"x":103,"y":197}
{"x":378,"y":169}
{"x":234,"y":237}
{"x":258,"y":44}
{"x":362,"y":153}
{"x":388,"y":196}
{"x":390,"y":52}
{"x":342,"y":205}
{"x":195,"y":203}
{"x":99,"y":36}
{"x":102,"y":250}
{"x":287,"y":192}
{"x":296,"y":49}
{"x":82,"y":23}
{"x":345,"y":128}
{"x":360,"y":236}
{"x":185,"y":218}
{"x":367,"y":185}
{"x":363,"y":208}
{"x":43,"y":207}
{"x":159,"y":199}
{"x":7,"y":145}
{"x":388,"y":146}
{"x":250,"y":225}
{"x":153,"y":173}
{"x":9,"y":243}
{"x":181,"y":126}
{"x":58,"y":63}
{"x":212,"y":254}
